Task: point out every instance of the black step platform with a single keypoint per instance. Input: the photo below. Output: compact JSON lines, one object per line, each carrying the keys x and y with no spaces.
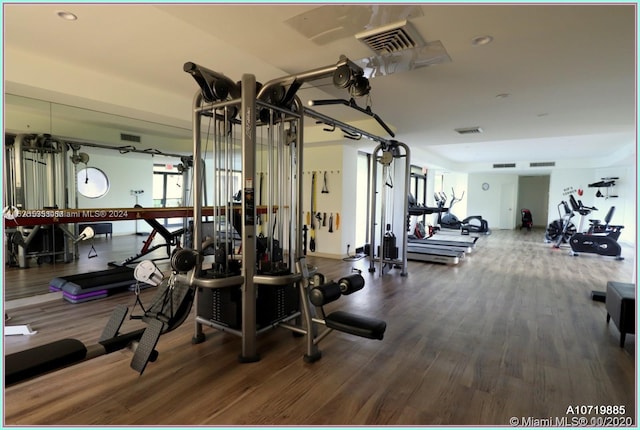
{"x":93,"y":285}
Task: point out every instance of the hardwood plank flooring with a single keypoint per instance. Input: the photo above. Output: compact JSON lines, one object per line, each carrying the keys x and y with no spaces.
{"x":510,"y":331}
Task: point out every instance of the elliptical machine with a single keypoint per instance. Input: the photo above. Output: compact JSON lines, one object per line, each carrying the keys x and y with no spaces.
{"x":448,"y":219}
{"x":471,"y":224}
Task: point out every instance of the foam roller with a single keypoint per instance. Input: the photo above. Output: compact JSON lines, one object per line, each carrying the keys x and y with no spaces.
{"x":351,"y":284}
{"x":325,"y":293}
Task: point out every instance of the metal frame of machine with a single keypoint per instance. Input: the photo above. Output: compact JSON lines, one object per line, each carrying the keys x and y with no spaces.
{"x":250,"y":119}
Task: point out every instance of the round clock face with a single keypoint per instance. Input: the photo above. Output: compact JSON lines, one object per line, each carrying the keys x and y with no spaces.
{"x":485,"y":186}
{"x":92,"y":182}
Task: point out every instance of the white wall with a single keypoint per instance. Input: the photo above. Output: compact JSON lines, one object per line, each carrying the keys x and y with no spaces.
{"x":562,"y":182}
{"x":125,"y":173}
{"x":490,"y":204}
{"x":457,"y":182}
{"x":348,"y":226}
{"x":626,"y":202}
{"x":341,"y":183}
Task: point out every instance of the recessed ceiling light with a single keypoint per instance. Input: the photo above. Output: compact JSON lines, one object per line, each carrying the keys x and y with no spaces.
{"x":481,"y":40}
{"x":67,"y":15}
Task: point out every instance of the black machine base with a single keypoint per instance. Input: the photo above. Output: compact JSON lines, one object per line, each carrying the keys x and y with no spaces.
{"x":198,"y":338}
{"x":312,"y":358}
{"x":593,"y":244}
{"x":599,"y":296}
{"x":248,"y":358}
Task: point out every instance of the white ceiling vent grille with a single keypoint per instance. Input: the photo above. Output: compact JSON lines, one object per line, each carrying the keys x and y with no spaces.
{"x":390,"y":38}
{"x":469,"y":130}
{"x":543,"y":164}
{"x":504,"y":165}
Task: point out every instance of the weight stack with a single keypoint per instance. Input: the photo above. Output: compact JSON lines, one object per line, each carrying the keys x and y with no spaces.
{"x":389,"y":248}
{"x":224,"y":305}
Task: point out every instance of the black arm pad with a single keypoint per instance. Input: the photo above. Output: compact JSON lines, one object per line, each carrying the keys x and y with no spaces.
{"x":325,"y":293}
{"x":351,"y":284}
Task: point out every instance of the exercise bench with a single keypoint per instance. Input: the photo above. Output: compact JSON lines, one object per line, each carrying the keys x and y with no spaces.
{"x":620,"y":302}
{"x":346,"y":322}
{"x":171,"y":238}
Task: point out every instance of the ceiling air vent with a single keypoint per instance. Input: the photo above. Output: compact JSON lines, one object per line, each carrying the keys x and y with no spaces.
{"x":129,"y":137}
{"x":504,"y":165}
{"x":543,"y":164}
{"x":390,"y":38}
{"x":469,"y":130}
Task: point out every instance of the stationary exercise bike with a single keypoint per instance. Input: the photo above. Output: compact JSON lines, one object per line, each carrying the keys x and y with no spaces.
{"x":559,"y":231}
{"x":603,"y":243}
{"x":596,"y":226}
{"x":596,"y":243}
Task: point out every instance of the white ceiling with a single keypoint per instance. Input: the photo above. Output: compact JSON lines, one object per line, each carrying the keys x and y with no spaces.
{"x":569,"y":70}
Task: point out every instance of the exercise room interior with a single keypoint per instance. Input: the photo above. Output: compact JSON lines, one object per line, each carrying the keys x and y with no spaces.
{"x":320,"y":215}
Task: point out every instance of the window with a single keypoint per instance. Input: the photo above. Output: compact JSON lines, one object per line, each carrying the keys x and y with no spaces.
{"x":167,"y":190}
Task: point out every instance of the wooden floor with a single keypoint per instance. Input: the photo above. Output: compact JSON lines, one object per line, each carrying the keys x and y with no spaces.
{"x":509,"y":332}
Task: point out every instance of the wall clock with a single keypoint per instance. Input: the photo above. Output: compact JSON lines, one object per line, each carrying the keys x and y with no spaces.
{"x":92,"y":182}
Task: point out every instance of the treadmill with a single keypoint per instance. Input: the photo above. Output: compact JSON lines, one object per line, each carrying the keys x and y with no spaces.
{"x":433,"y":252}
{"x":431,"y":255}
{"x":451,"y":240}
{"x":445,"y":245}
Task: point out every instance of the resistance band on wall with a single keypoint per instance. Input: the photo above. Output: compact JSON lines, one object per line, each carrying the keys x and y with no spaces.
{"x":325,"y":190}
{"x":312,"y":241}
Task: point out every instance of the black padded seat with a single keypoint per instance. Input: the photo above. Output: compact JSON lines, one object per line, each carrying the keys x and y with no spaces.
{"x":41,"y":359}
{"x":357,"y":325}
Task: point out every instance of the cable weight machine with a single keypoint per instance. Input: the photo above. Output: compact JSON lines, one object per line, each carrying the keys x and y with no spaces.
{"x":387,"y":219}
{"x":37,"y":180}
{"x":257,"y":278}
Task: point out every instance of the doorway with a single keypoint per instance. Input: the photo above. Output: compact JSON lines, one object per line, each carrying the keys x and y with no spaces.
{"x":533,"y":194}
{"x":507,"y":203}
